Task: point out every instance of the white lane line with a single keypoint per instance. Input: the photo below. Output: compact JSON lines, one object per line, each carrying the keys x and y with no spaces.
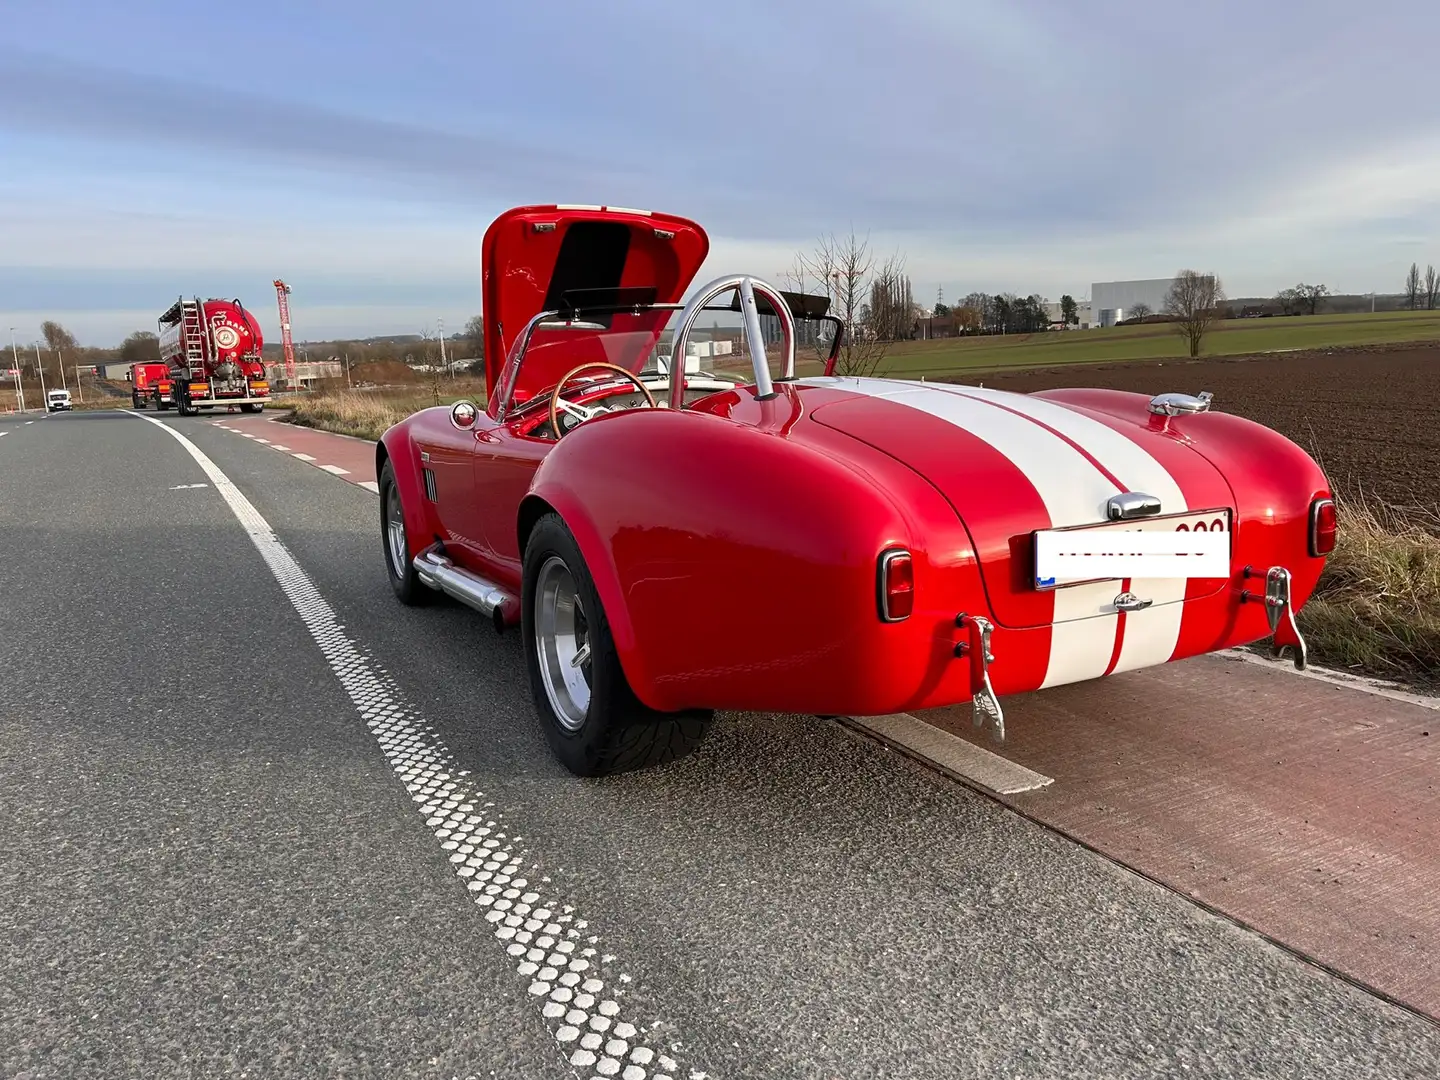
{"x":260,"y":440}
{"x":562,"y":968}
{"x":2,"y":433}
{"x":29,"y":421}
{"x":187,"y":487}
{"x":951,"y":753}
{"x":303,"y":457}
{"x":247,"y":435}
{"x":277,"y":446}
{"x":370,"y":485}
{"x":336,"y":469}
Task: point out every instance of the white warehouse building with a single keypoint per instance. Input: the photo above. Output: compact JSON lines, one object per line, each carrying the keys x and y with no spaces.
{"x":1111,"y":301}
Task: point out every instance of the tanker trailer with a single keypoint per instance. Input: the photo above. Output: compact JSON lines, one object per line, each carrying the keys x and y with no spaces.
{"x":213,"y":350}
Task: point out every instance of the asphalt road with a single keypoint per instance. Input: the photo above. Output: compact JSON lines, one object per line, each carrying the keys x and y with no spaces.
{"x":247,"y":817}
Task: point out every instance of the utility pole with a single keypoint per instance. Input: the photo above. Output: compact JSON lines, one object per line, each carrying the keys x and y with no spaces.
{"x":19,"y":391}
{"x":60,"y":359}
{"x":79,"y":390}
{"x":440,"y":326}
{"x":40,"y":366}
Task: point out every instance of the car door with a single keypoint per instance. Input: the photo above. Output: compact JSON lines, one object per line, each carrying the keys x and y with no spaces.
{"x":505,"y":465}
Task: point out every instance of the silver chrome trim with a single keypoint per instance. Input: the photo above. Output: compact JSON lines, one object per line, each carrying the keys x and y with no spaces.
{"x":438,"y":572}
{"x":1129,"y":505}
{"x":747,"y":286}
{"x":1175,"y":404}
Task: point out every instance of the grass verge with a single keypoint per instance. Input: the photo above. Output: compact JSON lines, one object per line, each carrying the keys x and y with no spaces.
{"x":367,"y":413}
{"x":1376,"y":609}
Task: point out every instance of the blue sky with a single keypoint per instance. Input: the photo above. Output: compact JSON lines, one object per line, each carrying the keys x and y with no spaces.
{"x":359,"y":150}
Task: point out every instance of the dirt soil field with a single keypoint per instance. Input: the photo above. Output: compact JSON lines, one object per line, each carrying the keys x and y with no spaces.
{"x":1370,"y":415}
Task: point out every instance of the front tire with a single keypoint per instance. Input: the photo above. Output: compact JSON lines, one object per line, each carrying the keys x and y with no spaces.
{"x":592,"y":719}
{"x":404,"y":580}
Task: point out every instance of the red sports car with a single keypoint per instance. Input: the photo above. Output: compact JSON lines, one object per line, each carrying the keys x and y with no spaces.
{"x":676,"y":537}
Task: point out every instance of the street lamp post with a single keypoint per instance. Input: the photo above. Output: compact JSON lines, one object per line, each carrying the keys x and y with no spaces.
{"x":40,"y":367}
{"x":19,"y":391}
{"x":440,"y":326}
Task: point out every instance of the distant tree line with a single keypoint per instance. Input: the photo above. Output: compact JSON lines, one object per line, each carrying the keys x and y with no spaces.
{"x":1420,"y":292}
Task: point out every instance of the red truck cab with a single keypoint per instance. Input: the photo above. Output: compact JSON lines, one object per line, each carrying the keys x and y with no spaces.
{"x":151,"y":382}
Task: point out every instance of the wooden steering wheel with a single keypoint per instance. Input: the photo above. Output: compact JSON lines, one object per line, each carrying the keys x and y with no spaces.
{"x":583,"y":412}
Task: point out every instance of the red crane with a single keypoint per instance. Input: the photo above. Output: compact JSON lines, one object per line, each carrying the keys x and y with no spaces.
{"x":282,"y":295}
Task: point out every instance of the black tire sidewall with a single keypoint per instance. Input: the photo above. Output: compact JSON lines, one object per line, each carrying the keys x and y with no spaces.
{"x":612,"y":704}
{"x":408,"y":588}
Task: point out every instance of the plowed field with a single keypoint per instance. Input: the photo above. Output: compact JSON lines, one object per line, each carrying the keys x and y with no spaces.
{"x":1370,"y":415}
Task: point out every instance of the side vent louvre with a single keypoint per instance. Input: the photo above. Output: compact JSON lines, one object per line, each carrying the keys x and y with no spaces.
{"x":429,"y":484}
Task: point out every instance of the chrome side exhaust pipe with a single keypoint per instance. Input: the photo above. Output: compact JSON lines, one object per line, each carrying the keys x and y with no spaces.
{"x":438,"y":572}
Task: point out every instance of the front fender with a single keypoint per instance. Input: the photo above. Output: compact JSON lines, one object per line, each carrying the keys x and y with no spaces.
{"x":397,"y":445}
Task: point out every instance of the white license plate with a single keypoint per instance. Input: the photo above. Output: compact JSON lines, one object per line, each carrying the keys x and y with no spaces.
{"x":1195,"y":544}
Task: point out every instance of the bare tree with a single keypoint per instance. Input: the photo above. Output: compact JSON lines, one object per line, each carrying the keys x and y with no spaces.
{"x":843,"y":270}
{"x":1412,"y":287}
{"x":1432,"y":288}
{"x":1311,"y":296}
{"x":1194,"y":303}
{"x":474,"y":336}
{"x":140,"y":347}
{"x":1140,"y":310}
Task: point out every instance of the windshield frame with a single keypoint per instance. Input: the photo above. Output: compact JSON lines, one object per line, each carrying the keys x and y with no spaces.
{"x":575,"y":318}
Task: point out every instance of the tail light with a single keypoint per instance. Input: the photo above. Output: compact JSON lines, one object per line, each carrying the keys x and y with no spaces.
{"x":896,"y":581}
{"x":1322,"y":527}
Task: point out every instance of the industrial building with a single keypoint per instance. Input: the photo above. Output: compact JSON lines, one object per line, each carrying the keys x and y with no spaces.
{"x":1112,"y":301}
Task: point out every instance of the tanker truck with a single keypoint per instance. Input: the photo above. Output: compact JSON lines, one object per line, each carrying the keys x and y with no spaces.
{"x":212,"y":348}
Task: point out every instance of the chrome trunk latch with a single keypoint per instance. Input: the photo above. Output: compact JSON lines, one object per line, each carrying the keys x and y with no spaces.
{"x":1280,"y":614}
{"x":1128,"y":601}
{"x":985,"y":706}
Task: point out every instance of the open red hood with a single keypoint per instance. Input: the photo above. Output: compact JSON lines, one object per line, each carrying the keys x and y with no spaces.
{"x":533,"y":256}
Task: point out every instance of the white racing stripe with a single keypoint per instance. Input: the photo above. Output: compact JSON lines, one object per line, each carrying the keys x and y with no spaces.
{"x":576,"y":987}
{"x":1072,"y":489}
{"x":1150,"y":635}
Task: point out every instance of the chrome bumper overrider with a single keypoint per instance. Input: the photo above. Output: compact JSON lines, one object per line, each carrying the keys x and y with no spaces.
{"x":1280,"y":613}
{"x":985,"y":706}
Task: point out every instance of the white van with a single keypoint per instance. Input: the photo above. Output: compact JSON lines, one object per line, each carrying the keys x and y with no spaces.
{"x":56,"y":400}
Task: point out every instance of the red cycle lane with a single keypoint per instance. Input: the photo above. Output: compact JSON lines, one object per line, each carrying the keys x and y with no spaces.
{"x":348,"y":458}
{"x":1304,"y":809}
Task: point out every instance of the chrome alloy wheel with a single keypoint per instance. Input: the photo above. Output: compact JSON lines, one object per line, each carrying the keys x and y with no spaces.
{"x":562,"y":641}
{"x":395,"y":531}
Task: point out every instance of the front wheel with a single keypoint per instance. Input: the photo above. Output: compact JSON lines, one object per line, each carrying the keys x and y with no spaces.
{"x":593,"y":721}
{"x":399,"y":569}
{"x":252,"y":408}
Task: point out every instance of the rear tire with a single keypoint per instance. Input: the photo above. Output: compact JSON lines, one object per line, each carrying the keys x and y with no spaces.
{"x":252,"y":408}
{"x":404,"y":581}
{"x":592,"y":719}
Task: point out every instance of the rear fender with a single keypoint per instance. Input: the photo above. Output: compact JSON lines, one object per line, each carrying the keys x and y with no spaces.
{"x":737,"y":569}
{"x":398,"y":447}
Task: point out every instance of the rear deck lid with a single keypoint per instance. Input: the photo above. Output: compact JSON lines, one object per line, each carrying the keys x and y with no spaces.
{"x":1011,"y":464}
{"x":547,"y":258}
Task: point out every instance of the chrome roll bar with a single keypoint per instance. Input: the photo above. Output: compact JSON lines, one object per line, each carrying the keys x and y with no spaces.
{"x":748,"y":286}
